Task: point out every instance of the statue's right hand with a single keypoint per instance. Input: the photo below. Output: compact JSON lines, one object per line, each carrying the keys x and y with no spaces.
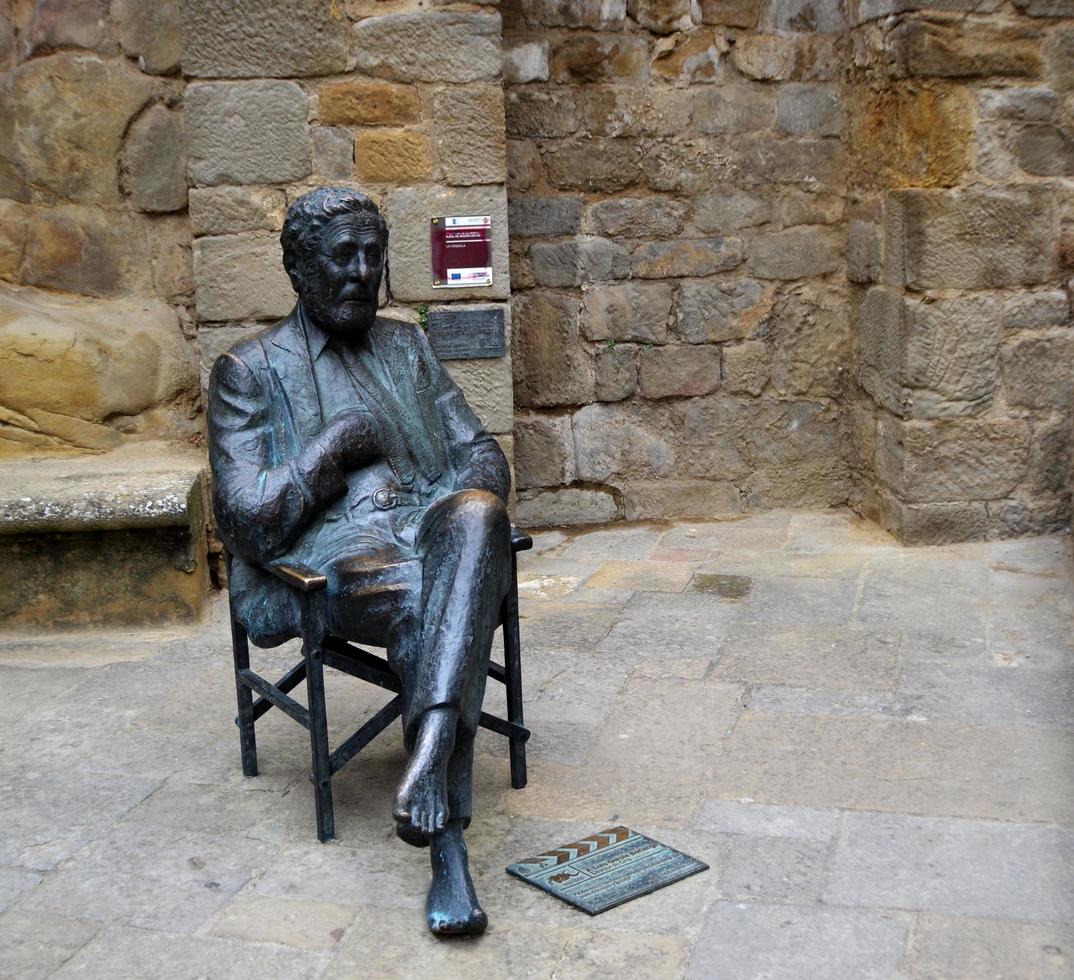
{"x":355,"y":435}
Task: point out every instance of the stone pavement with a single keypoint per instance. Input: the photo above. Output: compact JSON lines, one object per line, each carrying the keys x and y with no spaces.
{"x":871,"y":745}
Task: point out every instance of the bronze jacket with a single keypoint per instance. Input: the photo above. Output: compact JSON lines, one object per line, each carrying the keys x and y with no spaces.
{"x":280,"y":492}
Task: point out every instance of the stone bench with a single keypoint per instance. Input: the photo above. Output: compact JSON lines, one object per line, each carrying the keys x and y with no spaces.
{"x":102,"y":540}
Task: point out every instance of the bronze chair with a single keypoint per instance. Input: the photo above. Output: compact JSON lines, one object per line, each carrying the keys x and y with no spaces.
{"x":336,"y":652}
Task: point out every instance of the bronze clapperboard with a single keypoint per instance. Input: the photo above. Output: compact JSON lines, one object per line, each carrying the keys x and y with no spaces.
{"x":607,"y":869}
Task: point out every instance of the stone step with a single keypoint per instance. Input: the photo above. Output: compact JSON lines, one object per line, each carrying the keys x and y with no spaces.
{"x":111,"y":539}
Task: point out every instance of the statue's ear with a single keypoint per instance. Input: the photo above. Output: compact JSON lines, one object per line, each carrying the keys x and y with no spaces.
{"x":295,"y":276}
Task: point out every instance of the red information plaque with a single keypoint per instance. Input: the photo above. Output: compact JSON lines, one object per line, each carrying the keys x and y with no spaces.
{"x":462,"y":250}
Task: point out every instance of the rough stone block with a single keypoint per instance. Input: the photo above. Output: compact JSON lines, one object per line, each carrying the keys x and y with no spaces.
{"x":470,"y":134}
{"x":822,"y":16}
{"x":333,"y":153}
{"x":1046,"y":8}
{"x":273,"y":38}
{"x":636,"y":217}
{"x":810,"y":335}
{"x":733,"y":109}
{"x":796,"y":253}
{"x":730,"y":13}
{"x":1036,"y":372}
{"x":592,"y":164}
{"x":679,"y":372}
{"x":648,"y":500}
{"x":628,"y":439}
{"x":1028,"y":311}
{"x":430,"y":46}
{"x":615,"y":371}
{"x":746,"y":367}
{"x":544,"y":216}
{"x":814,"y":163}
{"x":525,"y":62}
{"x":810,"y":110}
{"x":665,"y":16}
{"x":544,"y":451}
{"x":486,"y":383}
{"x":729,"y":210}
{"x":66,"y":23}
{"x":220,"y":210}
{"x":541,"y":113}
{"x":579,"y":260}
{"x":863,"y":251}
{"x":692,"y":257}
{"x":150,"y":32}
{"x":88,"y":103}
{"x":693,"y":57}
{"x":408,"y":212}
{"x":952,"y":459}
{"x":153,"y":164}
{"x":965,"y":48}
{"x":969,"y":239}
{"x":1019,"y":104}
{"x":1059,"y":58}
{"x":13,"y":221}
{"x":719,"y":311}
{"x":247,"y":132}
{"x":612,"y":110}
{"x":568,"y":507}
{"x":687,"y":165}
{"x":523,"y":165}
{"x":549,"y":366}
{"x":763,"y":57}
{"x":582,"y":58}
{"x":1044,"y":151}
{"x":628,"y":311}
{"x":392,"y":156}
{"x":364,"y":103}
{"x":241,"y":277}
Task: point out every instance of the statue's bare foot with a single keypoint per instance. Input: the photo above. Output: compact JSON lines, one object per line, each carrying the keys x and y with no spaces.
{"x":451,"y":906}
{"x":421,"y":808}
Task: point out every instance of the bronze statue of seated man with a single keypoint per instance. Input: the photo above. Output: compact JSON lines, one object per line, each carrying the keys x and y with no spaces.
{"x":339,"y":442}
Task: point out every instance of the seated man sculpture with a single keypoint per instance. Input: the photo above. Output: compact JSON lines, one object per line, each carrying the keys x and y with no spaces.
{"x":338,"y":442}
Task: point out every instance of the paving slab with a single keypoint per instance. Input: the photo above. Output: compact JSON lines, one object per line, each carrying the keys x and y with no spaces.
{"x":673,"y":626}
{"x":767,"y":820}
{"x":33,"y":947}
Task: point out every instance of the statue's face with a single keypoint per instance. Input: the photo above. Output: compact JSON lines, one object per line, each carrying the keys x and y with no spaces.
{"x":342,"y":281}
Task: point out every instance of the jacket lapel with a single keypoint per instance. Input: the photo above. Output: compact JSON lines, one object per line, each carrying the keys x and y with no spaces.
{"x":290,"y":361}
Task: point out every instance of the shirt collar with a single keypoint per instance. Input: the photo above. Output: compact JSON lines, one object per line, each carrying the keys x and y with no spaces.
{"x":315,"y":336}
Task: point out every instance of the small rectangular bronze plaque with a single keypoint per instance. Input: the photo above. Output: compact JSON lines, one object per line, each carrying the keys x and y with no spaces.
{"x":458,"y":334}
{"x":604,"y":870}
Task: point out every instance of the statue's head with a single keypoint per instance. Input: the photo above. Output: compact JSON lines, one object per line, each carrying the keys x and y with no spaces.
{"x":334,"y":247}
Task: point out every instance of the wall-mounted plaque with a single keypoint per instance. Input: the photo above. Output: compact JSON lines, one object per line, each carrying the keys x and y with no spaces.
{"x":459,"y":334}
{"x":462,"y":251}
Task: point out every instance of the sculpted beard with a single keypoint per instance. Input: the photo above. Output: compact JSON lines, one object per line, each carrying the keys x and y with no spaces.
{"x":351,"y":312}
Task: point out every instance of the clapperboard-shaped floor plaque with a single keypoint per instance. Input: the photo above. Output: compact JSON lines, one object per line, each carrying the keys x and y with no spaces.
{"x":604,"y":870}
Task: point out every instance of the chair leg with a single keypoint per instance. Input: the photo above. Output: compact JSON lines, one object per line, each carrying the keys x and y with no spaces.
{"x":512,"y":652}
{"x":240,"y":646}
{"x":322,"y":767}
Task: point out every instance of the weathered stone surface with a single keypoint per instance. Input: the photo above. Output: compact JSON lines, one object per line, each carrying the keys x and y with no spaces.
{"x":525,"y":62}
{"x":578,"y":260}
{"x":586,"y":57}
{"x":810,"y":162}
{"x":544,"y":216}
{"x":882,"y":345}
{"x":660,"y":499}
{"x":594,"y":14}
{"x":823,"y":16}
{"x":541,"y":113}
{"x":170,"y":258}
{"x":1046,"y":8}
{"x":392,"y":156}
{"x":863,"y":251}
{"x":544,"y":452}
{"x":486,"y":383}
{"x":1059,"y":59}
{"x":13,"y":221}
{"x":1036,"y":372}
{"x":693,"y":257}
{"x":150,"y":32}
{"x":408,"y":212}
{"x":945,"y":945}
{"x":729,"y":210}
{"x":64,"y":118}
{"x":273,"y":38}
{"x":66,"y":24}
{"x":430,"y":46}
{"x":1020,"y":104}
{"x":550,"y":368}
{"x":679,"y":372}
{"x":636,"y":217}
{"x":796,"y":253}
{"x":628,"y":439}
{"x":70,"y":367}
{"x":470,"y":134}
{"x":665,"y":16}
{"x":810,"y":110}
{"x":592,"y":164}
{"x":687,"y":165}
{"x":363,"y":103}
{"x":628,"y":311}
{"x":811,"y":335}
{"x":219,"y":210}
{"x":693,"y":56}
{"x":153,"y":163}
{"x":1045,"y":151}
{"x":965,"y":48}
{"x":719,"y":311}
{"x":87,"y":251}
{"x":969,"y":239}
{"x":1028,"y":311}
{"x":746,"y":367}
{"x":800,"y":207}
{"x":763,"y":57}
{"x":612,"y":110}
{"x":333,"y":153}
{"x":523,"y":165}
{"x":241,"y":277}
{"x":952,"y":459}
{"x":733,"y":109}
{"x":615,"y":372}
{"x":564,"y":508}
{"x":247,"y":132}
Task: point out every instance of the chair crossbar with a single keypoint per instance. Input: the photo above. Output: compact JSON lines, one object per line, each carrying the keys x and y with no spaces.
{"x":369,"y":731}
{"x":278,"y":698}
{"x":295,"y":676}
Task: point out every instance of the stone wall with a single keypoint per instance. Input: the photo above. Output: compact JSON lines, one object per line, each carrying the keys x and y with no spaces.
{"x":403,"y":102}
{"x":959,"y":254}
{"x":677,"y":218}
{"x":93,"y":203}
